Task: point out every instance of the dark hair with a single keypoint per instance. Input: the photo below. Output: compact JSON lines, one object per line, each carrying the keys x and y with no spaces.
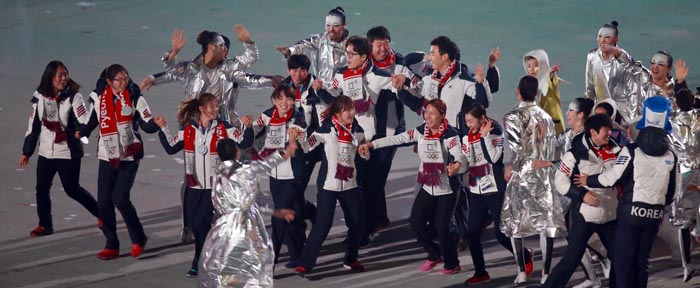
{"x":226,"y":148}
{"x":608,"y":108}
{"x":338,"y":11}
{"x":189,"y":108}
{"x":283,"y":89}
{"x":360,"y":45}
{"x":670,"y":58}
{"x":112,"y":70}
{"x":528,"y":88}
{"x":585,"y":106}
{"x":378,"y":33}
{"x":445,"y":45}
{"x":477,"y":110}
{"x":685,"y":99}
{"x":227,"y":42}
{"x":338,"y":105}
{"x":613,"y":25}
{"x":596,"y":122}
{"x":439,"y":105}
{"x":46,"y":84}
{"x":298,"y":61}
{"x":206,"y":37}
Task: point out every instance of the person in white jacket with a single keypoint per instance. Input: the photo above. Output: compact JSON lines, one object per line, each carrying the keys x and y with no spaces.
{"x":593,"y":210}
{"x":57,"y":112}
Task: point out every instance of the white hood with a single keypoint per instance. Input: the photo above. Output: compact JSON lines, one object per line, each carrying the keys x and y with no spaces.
{"x":543,"y":73}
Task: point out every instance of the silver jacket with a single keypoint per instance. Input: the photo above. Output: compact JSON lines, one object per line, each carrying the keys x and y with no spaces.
{"x":238,"y":251}
{"x":686,"y":144}
{"x":531,"y":205}
{"x":231,"y":73}
{"x":622,"y":79}
{"x":326,"y":56}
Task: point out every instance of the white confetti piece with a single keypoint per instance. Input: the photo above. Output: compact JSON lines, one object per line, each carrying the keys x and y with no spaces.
{"x":32,"y":204}
{"x":85,"y":5}
{"x":17,"y":188}
{"x":179,"y":160}
{"x":157,"y":170}
{"x":19,"y":169}
{"x":72,"y":215}
{"x":151,"y":139}
{"x":88,"y":154}
{"x":47,"y":11}
{"x":358,"y":14}
{"x":150,"y":156}
{"x":144,"y":27}
{"x":67,"y":218}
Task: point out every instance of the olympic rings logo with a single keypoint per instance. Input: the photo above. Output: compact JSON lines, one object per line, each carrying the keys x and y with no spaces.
{"x":276,"y":141}
{"x":432,"y":156}
{"x":345,"y":159}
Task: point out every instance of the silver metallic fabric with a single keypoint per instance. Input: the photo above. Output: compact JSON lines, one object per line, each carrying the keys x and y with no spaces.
{"x":686,"y":143}
{"x":531,"y":205}
{"x":326,"y":56}
{"x":238,"y":251}
{"x":622,"y":79}
{"x":231,"y":73}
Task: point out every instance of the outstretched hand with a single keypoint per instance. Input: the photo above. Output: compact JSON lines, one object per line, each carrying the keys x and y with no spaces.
{"x":242,"y":34}
{"x":494,"y":56}
{"x":178,"y":40}
{"x":681,"y":71}
{"x":479,"y":75}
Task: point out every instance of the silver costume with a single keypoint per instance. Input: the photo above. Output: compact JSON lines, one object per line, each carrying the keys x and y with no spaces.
{"x":229,"y":75}
{"x":238,"y":251}
{"x":326,"y":56}
{"x":622,"y":79}
{"x":686,"y":144}
{"x":531,"y":206}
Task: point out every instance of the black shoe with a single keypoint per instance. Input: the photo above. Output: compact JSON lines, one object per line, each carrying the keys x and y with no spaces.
{"x":192,"y":273}
{"x":310,"y":212}
{"x":462,"y":244}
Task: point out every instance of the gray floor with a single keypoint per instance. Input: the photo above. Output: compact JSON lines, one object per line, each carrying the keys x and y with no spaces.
{"x":135,"y":33}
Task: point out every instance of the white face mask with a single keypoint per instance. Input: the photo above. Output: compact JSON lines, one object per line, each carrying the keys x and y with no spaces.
{"x":333,"y":20}
{"x":573,"y":106}
{"x":660,"y":59}
{"x":606,"y":32}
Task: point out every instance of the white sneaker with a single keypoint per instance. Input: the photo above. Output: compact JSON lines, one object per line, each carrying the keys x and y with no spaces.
{"x":544,"y":278}
{"x":607,"y":265}
{"x":688,"y":273}
{"x":520,"y":279}
{"x":588,"y":284}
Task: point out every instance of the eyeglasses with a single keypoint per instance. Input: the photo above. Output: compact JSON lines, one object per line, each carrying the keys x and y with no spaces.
{"x":121,"y":79}
{"x":350,"y":54}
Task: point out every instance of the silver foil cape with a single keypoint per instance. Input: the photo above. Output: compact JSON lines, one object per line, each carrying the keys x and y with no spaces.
{"x":231,"y":72}
{"x":628,"y":83}
{"x":686,"y":144}
{"x":531,"y":206}
{"x":326,"y":56}
{"x":238,"y":251}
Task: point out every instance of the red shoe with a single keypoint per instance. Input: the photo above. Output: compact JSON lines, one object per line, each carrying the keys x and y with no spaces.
{"x":445,"y":271}
{"x":99,"y":223}
{"x":354,"y":266}
{"x":137,"y":249}
{"x":429,"y":265}
{"x":301,"y":271}
{"x":41,"y":231}
{"x":108,"y":254}
{"x":478,"y":279}
{"x":529,"y":265}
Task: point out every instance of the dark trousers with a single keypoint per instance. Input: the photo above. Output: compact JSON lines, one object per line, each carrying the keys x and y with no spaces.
{"x":114,"y":190}
{"x":462,"y":215}
{"x":438,"y":211}
{"x":69,"y":172}
{"x":579,"y":233}
{"x":633,"y":244}
{"x":372,"y":176}
{"x":483,"y":207}
{"x":199,"y":211}
{"x":285,"y":195}
{"x":352,"y":204}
